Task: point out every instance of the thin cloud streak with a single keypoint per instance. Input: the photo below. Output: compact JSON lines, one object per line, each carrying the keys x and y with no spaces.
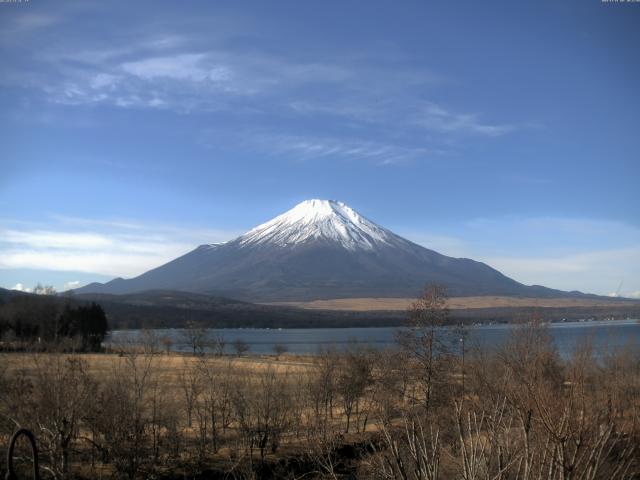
{"x":49,"y":239}
{"x":103,"y":263}
{"x":436,"y":118}
{"x":309,"y":148}
{"x":28,"y":22}
{"x":119,"y":249}
{"x":572,"y":272}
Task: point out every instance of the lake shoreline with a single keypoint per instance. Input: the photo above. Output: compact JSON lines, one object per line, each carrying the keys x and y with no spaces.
{"x":303,"y":341}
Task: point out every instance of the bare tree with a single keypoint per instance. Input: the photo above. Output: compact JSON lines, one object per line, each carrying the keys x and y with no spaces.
{"x":321,"y":389}
{"x":188,"y":378}
{"x":150,"y":342}
{"x":61,"y":394}
{"x":240,"y":346}
{"x":411,"y":452}
{"x":167,"y":342}
{"x":354,"y":376}
{"x":121,"y":419}
{"x":219,"y":344}
{"x":262,"y":410}
{"x":40,"y":289}
{"x":214,"y":402}
{"x":323,"y":452}
{"x":542,"y":419}
{"x":195,"y":336}
{"x":279,"y":349}
{"x":425,"y":348}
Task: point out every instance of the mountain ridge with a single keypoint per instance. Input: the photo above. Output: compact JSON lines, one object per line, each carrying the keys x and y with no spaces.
{"x":320,"y":249}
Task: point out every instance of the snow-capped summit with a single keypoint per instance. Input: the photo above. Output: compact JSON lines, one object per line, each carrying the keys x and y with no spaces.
{"x":320,"y":220}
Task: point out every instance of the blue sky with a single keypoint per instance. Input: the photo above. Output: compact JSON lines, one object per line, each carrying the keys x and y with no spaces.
{"x":502,"y":131}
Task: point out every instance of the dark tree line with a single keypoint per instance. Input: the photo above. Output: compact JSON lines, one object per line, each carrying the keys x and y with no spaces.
{"x":87,"y":322}
{"x":49,"y":319}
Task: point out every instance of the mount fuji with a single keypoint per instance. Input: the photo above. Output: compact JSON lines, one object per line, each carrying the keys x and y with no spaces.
{"x":320,"y":249}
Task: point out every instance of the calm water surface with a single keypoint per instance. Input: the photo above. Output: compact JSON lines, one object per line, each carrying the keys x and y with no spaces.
{"x":605,"y":335}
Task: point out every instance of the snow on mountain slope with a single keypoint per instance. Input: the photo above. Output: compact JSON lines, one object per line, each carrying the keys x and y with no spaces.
{"x":324,"y":220}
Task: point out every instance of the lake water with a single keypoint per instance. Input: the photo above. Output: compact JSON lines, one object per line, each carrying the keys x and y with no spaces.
{"x":605,"y":335}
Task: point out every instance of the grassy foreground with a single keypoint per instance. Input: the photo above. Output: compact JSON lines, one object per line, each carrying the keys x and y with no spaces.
{"x":416,"y":412}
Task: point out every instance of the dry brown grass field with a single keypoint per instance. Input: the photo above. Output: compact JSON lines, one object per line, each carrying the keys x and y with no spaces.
{"x":455,"y":303}
{"x":168,"y":366}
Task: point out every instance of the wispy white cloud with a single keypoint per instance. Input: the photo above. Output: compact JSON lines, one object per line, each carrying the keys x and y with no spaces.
{"x":16,"y":29}
{"x":118,"y":224}
{"x":306,"y":148}
{"x":174,"y":71}
{"x":190,"y":67}
{"x":71,"y":285}
{"x":114,"y":263}
{"x":49,"y":239}
{"x":156,"y":74}
{"x":389,"y":112}
{"x":439,"y":119}
{"x":404,"y":113}
{"x":581,"y":271}
{"x":20,"y":288}
{"x":357,"y":111}
{"x":104,"y":81}
{"x":112,"y":248}
{"x":33,"y":21}
{"x":309,"y":147}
